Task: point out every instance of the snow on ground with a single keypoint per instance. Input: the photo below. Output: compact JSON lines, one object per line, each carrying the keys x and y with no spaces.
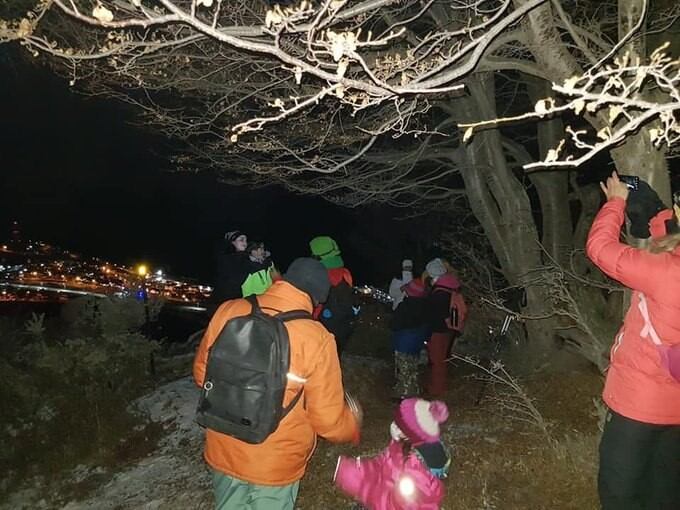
{"x":173,"y":476}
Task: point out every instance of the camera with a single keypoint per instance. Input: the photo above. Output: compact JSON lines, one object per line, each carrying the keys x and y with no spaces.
{"x":632,"y":181}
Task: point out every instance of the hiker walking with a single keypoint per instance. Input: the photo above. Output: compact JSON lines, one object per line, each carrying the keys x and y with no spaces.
{"x":447,"y":318}
{"x":640,"y":445}
{"x":265,"y":473}
{"x":410,"y":330}
{"x":338,"y":312}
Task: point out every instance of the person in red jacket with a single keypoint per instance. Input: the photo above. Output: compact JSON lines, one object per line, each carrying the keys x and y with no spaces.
{"x":640,"y":445}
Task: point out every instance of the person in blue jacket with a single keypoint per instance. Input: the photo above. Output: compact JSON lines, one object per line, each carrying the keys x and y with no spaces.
{"x":410,"y":330}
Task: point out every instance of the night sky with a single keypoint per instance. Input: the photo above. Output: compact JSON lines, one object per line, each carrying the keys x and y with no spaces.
{"x":77,"y":174}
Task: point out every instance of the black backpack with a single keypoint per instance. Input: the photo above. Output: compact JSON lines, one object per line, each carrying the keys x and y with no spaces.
{"x":246,"y":376}
{"x":337,"y":314}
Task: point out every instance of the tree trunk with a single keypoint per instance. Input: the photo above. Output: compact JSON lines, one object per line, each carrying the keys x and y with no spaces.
{"x":501,"y":204}
{"x":552,"y":186}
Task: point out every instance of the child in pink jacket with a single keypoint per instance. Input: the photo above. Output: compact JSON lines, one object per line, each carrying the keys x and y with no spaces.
{"x":408,"y":474}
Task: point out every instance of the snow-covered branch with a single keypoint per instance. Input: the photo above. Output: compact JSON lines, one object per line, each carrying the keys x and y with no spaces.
{"x":627,"y":95}
{"x":360,"y":54}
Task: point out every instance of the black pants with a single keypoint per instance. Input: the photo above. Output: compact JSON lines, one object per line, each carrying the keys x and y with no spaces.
{"x":639,"y":465}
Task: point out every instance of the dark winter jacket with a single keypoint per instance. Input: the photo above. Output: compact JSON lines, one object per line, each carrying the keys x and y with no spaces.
{"x":410,"y":326}
{"x":438,"y":309}
{"x":337,"y":314}
{"x":232,"y":270}
{"x":411,"y":313}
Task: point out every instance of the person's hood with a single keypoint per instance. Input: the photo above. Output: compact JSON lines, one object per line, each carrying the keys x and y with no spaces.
{"x":448,"y":281}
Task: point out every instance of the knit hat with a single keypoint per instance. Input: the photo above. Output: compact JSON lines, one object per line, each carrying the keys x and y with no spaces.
{"x":642,"y":205}
{"x":233,"y":235}
{"x":415,"y":288}
{"x":435,"y":268}
{"x":327,"y":251}
{"x":310,"y":276}
{"x":419,"y":419}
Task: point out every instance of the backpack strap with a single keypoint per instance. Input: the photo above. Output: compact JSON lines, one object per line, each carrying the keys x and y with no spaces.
{"x":252,"y":299}
{"x":290,"y":406}
{"x":292,"y":315}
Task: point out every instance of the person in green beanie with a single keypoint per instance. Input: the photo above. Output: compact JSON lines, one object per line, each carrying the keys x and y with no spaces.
{"x":338,"y":312}
{"x":327,"y":251}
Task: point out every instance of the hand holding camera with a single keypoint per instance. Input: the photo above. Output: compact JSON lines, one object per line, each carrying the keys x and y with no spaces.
{"x":615,"y":187}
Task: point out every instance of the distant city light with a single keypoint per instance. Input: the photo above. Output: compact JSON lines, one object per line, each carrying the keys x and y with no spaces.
{"x":48,"y":274}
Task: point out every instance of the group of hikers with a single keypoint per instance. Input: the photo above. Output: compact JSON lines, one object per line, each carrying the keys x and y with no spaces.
{"x":270,"y":372}
{"x":428,"y":311}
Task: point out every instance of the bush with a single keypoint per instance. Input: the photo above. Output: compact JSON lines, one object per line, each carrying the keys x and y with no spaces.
{"x":109,"y":315}
{"x":65,"y":399}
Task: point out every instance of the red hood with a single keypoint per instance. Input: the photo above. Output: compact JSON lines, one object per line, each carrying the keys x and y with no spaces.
{"x":448,"y":281}
{"x":657,"y":225}
{"x":339,"y":274}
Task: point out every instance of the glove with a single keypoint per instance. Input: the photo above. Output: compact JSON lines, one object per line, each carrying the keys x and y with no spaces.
{"x":643,"y":204}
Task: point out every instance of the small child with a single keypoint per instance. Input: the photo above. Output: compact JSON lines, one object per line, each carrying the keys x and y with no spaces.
{"x":408,"y":474}
{"x":410,"y":330}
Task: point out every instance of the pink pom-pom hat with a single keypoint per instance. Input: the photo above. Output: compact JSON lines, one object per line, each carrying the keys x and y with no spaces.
{"x":419,"y":419}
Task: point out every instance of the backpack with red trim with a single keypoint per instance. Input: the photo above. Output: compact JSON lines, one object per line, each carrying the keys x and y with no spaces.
{"x":455,"y":319}
{"x":457,"y":311}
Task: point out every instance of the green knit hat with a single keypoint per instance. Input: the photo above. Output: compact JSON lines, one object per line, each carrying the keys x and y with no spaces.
{"x":326,"y":250}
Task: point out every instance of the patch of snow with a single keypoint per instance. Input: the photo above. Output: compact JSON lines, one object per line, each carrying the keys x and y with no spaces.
{"x":174,"y":476}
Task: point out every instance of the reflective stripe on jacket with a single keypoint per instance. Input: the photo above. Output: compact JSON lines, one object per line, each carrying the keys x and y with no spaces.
{"x":638,"y":385}
{"x":282,"y":458}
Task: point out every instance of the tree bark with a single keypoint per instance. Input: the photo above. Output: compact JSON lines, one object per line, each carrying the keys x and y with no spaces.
{"x":552,"y":186}
{"x":501,"y":204}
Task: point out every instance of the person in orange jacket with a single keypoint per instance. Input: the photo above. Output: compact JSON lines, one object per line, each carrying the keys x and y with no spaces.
{"x":640,"y":445}
{"x":267,"y":475}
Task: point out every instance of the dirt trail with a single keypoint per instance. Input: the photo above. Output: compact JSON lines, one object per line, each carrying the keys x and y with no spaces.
{"x":500,"y":462}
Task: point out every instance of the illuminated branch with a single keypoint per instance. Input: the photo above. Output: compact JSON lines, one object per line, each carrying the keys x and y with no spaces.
{"x":618,"y":91}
